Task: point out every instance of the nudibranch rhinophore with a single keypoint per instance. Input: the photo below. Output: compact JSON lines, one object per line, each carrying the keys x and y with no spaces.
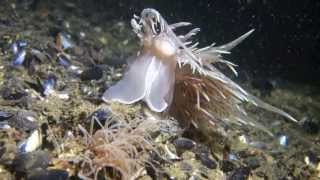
{"x":171,"y":72}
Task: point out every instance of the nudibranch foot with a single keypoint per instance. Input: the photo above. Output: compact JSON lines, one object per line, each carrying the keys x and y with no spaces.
{"x":148,"y":79}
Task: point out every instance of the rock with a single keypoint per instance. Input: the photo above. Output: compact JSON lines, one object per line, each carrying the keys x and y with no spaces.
{"x":310,"y":125}
{"x":28,"y":162}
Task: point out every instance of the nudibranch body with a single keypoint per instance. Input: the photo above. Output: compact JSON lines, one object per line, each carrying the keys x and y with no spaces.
{"x":151,"y":76}
{"x":172,"y":70}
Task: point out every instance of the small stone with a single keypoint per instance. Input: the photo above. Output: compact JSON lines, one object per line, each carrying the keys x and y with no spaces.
{"x":94,"y":73}
{"x":207,"y":161}
{"x":201,"y":149}
{"x":27,"y":162}
{"x":252,"y":162}
{"x":49,"y":174}
{"x":227,"y":166}
{"x":183,"y":143}
{"x":241,"y":173}
{"x":185,"y":167}
{"x":310,"y":125}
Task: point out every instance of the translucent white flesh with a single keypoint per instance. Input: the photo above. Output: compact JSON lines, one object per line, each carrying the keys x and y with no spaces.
{"x":159,"y":93}
{"x":148,"y":79}
{"x":131,"y":88}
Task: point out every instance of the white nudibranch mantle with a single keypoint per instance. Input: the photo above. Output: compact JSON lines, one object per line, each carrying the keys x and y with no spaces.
{"x":166,"y":59}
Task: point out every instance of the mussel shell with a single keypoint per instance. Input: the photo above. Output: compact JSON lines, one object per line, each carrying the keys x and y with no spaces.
{"x":18,"y":45}
{"x":5,"y":115}
{"x":48,"y":84}
{"x":19,"y":58}
{"x":51,"y":174}
{"x":24,"y":120}
{"x":64,"y":61}
{"x":39,"y":55}
{"x":63,"y":40}
{"x":33,"y":142}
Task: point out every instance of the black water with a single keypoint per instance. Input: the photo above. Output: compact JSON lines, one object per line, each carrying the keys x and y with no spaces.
{"x":285,"y":44}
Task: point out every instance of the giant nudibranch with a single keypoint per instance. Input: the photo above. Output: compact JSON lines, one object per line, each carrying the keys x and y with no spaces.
{"x":171,"y":72}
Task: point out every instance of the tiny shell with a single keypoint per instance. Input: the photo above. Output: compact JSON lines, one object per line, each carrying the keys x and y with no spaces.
{"x":19,"y":58}
{"x":63,"y":95}
{"x":243,"y":139}
{"x":5,"y":115}
{"x":15,"y":48}
{"x":48,"y":85}
{"x":64,"y":61}
{"x":22,"y":43}
{"x":232,"y":157}
{"x":18,"y":45}
{"x":31,"y":143}
{"x":283,"y":140}
{"x":170,"y":155}
{"x":64,"y":40}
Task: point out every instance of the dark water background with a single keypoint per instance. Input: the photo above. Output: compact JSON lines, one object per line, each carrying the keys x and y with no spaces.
{"x":285,"y":43}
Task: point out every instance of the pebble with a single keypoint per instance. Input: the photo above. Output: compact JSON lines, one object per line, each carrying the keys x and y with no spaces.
{"x":52,"y":174}
{"x":28,"y":162}
{"x":94,"y":73}
{"x":227,"y":166}
{"x":309,"y":125}
{"x":186,"y":167}
{"x":241,"y":173}
{"x":252,"y":162}
{"x":184,"y":143}
{"x":207,"y":161}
